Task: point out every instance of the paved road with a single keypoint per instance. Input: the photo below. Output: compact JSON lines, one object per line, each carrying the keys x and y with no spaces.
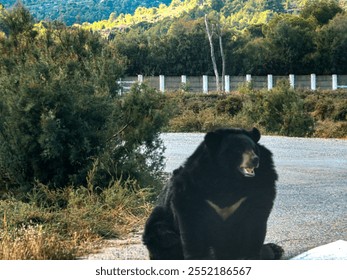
{"x":311,"y":205}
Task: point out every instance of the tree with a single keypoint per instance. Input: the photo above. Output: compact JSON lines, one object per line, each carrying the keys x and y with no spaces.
{"x":17,"y":23}
{"x":166,"y":49}
{"x":211,"y":29}
{"x":274,"y":5}
{"x":331,"y":44}
{"x":321,"y":10}
{"x":213,"y":57}
{"x":182,"y":55}
{"x":255,"y":57}
{"x":222,"y":54}
{"x":134,"y":46}
{"x":291,"y":40}
{"x":112,"y":17}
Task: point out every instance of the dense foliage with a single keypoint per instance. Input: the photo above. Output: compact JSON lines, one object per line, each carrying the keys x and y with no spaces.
{"x":259,"y":37}
{"x":238,"y":12}
{"x":71,"y":11}
{"x":61,"y":113}
{"x":281,"y":111}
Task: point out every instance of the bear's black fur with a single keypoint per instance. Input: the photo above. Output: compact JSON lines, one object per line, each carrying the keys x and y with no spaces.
{"x":217,"y":204}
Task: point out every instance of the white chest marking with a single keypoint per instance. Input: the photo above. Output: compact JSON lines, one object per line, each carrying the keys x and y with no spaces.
{"x":226,"y":212}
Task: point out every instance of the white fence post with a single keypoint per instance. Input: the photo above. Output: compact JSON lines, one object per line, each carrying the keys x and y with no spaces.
{"x":248,"y":78}
{"x":120,"y":90}
{"x":270,"y":82}
{"x":184,"y":79}
{"x":292,"y":80}
{"x":205,"y":84}
{"x":334,"y":82}
{"x":313,"y":82}
{"x":227,"y":83}
{"x":162,"y":83}
{"x":140,"y":78}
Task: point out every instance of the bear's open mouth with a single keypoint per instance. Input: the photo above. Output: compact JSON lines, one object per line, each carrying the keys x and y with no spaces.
{"x":250,"y":161}
{"x":247,"y":171}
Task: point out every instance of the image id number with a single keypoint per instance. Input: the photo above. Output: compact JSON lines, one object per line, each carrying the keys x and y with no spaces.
{"x":200,"y":270}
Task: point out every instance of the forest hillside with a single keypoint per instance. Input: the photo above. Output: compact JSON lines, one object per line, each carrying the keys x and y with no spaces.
{"x":80,"y":11}
{"x":71,"y":11}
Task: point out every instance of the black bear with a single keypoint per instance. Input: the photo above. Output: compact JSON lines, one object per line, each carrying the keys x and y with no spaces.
{"x":217,"y":204}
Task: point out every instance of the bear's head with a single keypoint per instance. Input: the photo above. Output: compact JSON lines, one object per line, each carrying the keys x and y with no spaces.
{"x":234,"y":150}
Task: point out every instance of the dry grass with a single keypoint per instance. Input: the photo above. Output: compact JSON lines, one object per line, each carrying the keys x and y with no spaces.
{"x":33,"y":242}
{"x":40,"y":229}
{"x":330,"y":129}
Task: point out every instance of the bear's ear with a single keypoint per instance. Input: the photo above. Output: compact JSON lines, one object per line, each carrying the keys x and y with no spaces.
{"x":255,"y":134}
{"x":213,"y":140}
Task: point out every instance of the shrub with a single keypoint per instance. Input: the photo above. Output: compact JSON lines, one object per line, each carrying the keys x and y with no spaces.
{"x":135,"y":149}
{"x":323,"y":109}
{"x":279,"y":111}
{"x":282,"y":111}
{"x":330,"y":129}
{"x":327,"y":105}
{"x":185,"y":122}
{"x":231,"y":105}
{"x":340,"y":113}
{"x":61,"y":112}
{"x":56,"y":104}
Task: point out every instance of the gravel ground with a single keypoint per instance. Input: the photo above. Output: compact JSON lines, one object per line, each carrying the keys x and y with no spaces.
{"x":310,"y":209}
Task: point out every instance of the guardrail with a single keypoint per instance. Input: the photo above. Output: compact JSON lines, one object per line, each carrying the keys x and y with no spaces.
{"x":207,"y":84}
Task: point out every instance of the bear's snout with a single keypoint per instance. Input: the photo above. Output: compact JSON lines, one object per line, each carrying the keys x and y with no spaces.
{"x":255,"y":161}
{"x":250,"y":161}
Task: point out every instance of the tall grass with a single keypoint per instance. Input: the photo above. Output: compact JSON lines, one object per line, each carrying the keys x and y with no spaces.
{"x":70,"y":222}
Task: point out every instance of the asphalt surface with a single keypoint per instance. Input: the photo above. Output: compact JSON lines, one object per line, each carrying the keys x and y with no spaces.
{"x":311,"y":205}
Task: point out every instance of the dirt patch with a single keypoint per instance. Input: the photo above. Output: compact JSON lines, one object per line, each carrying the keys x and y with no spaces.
{"x":129,"y":248}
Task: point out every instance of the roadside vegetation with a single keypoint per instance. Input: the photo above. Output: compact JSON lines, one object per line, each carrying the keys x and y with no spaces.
{"x":69,"y":222}
{"x":77,"y":159}
{"x":281,"y":111}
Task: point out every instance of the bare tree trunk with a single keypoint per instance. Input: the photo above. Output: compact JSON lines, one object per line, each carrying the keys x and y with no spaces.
{"x":215,"y":69}
{"x":223,"y":59}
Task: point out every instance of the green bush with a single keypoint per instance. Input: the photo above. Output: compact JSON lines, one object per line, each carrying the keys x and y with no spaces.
{"x":330,"y":129}
{"x":279,"y":111}
{"x":325,"y":106}
{"x":135,"y":149}
{"x":61,"y":111}
{"x":231,"y":105}
{"x":340,"y":112}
